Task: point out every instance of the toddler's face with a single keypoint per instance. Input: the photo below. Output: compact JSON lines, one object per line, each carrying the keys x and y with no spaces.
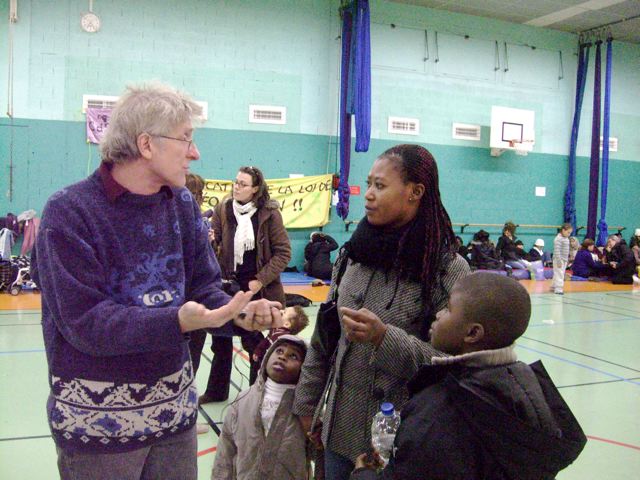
{"x":285,"y":363}
{"x":287,"y":316}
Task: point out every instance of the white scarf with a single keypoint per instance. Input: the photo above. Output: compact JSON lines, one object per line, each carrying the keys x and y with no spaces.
{"x":244,"y":239}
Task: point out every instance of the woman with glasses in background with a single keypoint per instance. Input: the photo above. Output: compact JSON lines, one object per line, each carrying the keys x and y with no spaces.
{"x":253,"y":249}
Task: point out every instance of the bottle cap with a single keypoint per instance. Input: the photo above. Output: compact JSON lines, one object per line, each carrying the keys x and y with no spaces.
{"x":387,"y":409}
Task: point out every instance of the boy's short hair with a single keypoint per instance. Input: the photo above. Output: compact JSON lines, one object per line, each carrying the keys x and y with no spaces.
{"x":499,"y":303}
{"x":566,"y":226}
{"x":300,"y":321}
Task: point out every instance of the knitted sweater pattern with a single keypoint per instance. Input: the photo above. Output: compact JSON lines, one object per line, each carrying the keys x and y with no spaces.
{"x":113,"y":274}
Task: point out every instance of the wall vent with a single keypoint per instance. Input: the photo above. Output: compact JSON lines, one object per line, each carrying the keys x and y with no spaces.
{"x":464,"y":131}
{"x":108,"y":101}
{"x":98,"y":101}
{"x":268,"y":114}
{"x":404,"y":126}
{"x":613,"y":144}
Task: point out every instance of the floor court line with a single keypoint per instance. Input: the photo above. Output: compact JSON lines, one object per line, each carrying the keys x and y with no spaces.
{"x":13,"y":352}
{"x":208,"y":450}
{"x":613,"y":442}
{"x":577,"y":364}
{"x":33,"y":437}
{"x":233,"y":384}
{"x":582,"y":354}
{"x":582,"y":322}
{"x":20,"y":312}
{"x":596,"y":383}
{"x":209,"y":420}
{"x":586,"y":302}
{"x":18,"y":324}
{"x":566,"y":302}
{"x":628,"y":296}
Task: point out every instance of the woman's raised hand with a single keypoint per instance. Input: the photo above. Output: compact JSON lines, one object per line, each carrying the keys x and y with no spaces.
{"x":362,"y":326}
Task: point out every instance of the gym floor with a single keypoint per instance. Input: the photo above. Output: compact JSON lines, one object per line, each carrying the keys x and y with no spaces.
{"x":587,"y":339}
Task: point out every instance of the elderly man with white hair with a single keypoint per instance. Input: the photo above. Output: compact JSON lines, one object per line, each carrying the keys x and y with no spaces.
{"x":126,"y":271}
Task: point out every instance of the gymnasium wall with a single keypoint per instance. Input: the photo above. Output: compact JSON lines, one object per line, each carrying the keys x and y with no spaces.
{"x":435,"y":66}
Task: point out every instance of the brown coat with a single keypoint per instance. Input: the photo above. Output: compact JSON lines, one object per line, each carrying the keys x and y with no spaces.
{"x":273,"y":250}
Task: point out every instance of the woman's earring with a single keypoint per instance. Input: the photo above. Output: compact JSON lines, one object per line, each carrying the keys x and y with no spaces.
{"x":411,"y":198}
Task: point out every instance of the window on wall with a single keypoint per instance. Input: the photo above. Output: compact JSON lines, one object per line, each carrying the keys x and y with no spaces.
{"x":463,"y":57}
{"x":530,"y":66}
{"x":397,"y":48}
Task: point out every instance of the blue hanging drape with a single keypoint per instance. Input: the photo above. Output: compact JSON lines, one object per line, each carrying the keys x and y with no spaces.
{"x":361,"y":80}
{"x":594,"y":165}
{"x":355,"y":91}
{"x":603,"y":229}
{"x":345,"y":118}
{"x":570,"y":194}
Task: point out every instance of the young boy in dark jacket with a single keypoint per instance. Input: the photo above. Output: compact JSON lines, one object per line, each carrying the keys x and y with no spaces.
{"x":480,"y":414}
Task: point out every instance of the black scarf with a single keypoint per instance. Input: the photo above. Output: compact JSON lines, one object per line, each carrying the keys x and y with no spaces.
{"x":379,"y":248}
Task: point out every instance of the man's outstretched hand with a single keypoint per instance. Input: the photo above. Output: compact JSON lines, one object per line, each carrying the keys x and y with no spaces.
{"x":249,"y":315}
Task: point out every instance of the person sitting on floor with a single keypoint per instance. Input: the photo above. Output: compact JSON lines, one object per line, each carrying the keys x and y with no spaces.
{"x":634,"y":245}
{"x":260,"y":437}
{"x":508,"y":251}
{"x":480,"y":413}
{"x":483,"y":252}
{"x":520,"y":252}
{"x":537,"y":252}
{"x":317,"y":255}
{"x":620,"y":259}
{"x":584,"y":264}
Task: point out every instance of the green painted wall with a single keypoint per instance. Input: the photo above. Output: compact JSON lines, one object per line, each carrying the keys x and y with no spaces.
{"x":285,"y":52}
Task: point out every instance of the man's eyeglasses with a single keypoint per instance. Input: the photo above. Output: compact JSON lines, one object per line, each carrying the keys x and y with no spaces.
{"x":189,"y":142}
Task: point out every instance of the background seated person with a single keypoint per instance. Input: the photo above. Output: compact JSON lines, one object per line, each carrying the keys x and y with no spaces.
{"x":507,"y":249}
{"x":621,"y":260}
{"x":483,"y":252}
{"x":537,"y":253}
{"x":317,"y":255}
{"x":584,"y":264}
{"x":634,"y":245}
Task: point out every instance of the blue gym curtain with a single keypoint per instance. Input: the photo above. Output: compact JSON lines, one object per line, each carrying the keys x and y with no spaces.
{"x":603,"y":230}
{"x":594,"y":165}
{"x":570,"y":194}
{"x":355,"y":91}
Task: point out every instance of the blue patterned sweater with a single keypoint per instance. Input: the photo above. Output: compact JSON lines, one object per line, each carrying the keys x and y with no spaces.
{"x":114,"y":268}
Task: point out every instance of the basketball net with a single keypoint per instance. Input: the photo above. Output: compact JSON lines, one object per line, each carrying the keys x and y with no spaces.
{"x":519,"y":147}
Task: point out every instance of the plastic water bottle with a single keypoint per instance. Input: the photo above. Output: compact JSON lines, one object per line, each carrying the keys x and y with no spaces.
{"x":383,"y":430}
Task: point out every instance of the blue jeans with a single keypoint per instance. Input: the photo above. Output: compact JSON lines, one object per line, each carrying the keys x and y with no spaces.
{"x":337,"y":467}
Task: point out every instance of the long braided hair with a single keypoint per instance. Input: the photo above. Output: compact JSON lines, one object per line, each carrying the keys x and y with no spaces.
{"x":418,"y":165}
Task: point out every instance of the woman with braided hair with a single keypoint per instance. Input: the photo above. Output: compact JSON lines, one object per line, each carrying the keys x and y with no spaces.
{"x":401,"y":266}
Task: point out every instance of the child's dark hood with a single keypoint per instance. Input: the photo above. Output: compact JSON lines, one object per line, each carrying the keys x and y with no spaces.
{"x":282,"y":339}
